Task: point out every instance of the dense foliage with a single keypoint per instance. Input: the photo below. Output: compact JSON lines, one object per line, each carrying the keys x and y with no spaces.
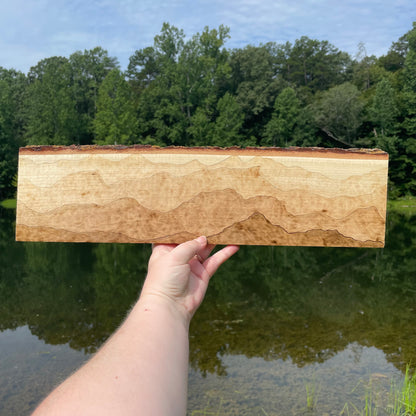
{"x":195,"y":91}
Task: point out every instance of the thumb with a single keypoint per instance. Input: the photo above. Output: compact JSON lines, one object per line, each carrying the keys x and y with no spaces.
{"x":185,"y":251}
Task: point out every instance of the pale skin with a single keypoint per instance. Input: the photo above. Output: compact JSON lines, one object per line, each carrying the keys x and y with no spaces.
{"x":143,"y":368}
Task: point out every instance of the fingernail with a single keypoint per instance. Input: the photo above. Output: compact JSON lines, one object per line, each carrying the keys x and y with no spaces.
{"x":202,"y":240}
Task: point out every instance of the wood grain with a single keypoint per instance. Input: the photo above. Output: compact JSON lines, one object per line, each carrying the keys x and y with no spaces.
{"x":259,"y":196}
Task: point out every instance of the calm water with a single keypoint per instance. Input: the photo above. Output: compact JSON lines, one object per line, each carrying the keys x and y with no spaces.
{"x":275,"y":321}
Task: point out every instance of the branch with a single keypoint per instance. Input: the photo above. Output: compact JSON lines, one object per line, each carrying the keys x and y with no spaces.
{"x":330,"y":135}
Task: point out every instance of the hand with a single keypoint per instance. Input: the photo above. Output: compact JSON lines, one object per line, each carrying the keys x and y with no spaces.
{"x":180,"y":274}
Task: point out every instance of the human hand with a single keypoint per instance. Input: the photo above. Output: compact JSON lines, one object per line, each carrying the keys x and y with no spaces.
{"x":179,"y":274}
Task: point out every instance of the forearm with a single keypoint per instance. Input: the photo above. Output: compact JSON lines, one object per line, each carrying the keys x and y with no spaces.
{"x":142,"y":369}
{"x":163,"y":357}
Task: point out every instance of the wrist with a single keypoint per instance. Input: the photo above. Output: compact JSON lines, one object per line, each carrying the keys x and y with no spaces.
{"x":161,"y":304}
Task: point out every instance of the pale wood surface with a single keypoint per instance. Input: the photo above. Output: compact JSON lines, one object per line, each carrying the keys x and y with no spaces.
{"x":305,"y":197}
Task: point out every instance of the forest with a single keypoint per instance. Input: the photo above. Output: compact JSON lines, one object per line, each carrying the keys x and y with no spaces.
{"x":194,"y":91}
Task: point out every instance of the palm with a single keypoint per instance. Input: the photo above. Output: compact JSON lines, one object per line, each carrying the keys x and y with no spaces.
{"x":182,"y":272}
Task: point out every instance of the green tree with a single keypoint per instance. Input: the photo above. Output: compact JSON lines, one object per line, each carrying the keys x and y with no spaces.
{"x":280,"y":129}
{"x":383,"y":110}
{"x":148,"y":64}
{"x":338,"y":112}
{"x":227,"y":129}
{"x":409,"y":84}
{"x":143,"y":68}
{"x":201,"y":128}
{"x":153,"y":74}
{"x":254,"y":84}
{"x":362,"y":68}
{"x":88,"y":71}
{"x":12,"y":87}
{"x":62,"y":97}
{"x":394,"y":59}
{"x":407,"y":159}
{"x":51,"y":116}
{"x":203,"y":70}
{"x":316,"y":65}
{"x":367,"y":72}
{"x":173,"y":79}
{"x":115,"y":121}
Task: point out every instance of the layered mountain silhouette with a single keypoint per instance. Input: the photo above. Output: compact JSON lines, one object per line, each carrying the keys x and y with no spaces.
{"x":262,"y":219}
{"x":174,"y":197}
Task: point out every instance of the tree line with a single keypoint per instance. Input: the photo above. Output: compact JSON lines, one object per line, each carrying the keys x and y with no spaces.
{"x":196,"y":92}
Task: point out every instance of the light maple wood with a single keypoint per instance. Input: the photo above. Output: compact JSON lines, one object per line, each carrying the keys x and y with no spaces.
{"x":259,"y":196}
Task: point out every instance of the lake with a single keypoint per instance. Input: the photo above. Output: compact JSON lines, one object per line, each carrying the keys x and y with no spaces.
{"x":280,"y":326}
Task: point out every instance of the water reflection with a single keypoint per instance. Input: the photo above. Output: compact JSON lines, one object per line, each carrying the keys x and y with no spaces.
{"x":307,"y":304}
{"x":303,"y":306}
{"x":29,"y":368}
{"x":256,"y":386}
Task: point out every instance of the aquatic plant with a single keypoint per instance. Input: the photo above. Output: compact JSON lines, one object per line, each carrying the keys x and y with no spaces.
{"x":403,"y":397}
{"x":370,"y":402}
{"x":207,"y":411}
{"x":370,"y":408}
{"x":312,"y":394}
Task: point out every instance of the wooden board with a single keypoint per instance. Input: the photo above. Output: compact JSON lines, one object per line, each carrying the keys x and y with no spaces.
{"x":258,"y":196}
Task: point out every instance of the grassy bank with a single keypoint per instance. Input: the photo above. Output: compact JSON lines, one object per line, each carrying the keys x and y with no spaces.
{"x":406,"y":205}
{"x":8,"y":203}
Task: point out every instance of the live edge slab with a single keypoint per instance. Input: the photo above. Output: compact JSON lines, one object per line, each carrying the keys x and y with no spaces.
{"x":252,"y":196}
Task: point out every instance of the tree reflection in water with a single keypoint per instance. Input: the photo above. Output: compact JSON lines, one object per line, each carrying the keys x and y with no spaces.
{"x":289,"y":303}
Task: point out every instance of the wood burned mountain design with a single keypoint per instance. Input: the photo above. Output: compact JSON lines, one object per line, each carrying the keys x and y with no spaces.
{"x":305,"y":197}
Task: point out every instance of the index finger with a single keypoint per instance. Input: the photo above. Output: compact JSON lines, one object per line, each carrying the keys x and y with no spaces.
{"x":212,"y":263}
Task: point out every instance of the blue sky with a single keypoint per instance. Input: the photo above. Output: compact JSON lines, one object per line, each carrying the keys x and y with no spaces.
{"x":31,"y":30}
